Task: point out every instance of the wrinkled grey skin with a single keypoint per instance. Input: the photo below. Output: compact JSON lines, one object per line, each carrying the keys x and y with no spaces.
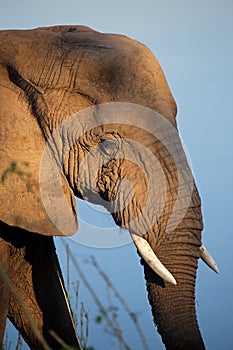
{"x":48,"y":75}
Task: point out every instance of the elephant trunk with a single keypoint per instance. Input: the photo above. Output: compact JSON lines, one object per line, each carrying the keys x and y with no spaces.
{"x":173,"y":306}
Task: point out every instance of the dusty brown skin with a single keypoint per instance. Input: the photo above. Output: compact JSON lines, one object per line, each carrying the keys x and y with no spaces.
{"x":46,"y":75}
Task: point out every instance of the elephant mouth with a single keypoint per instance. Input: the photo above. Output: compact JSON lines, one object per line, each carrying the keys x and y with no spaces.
{"x":144,"y":249}
{"x":156,"y":265}
{"x":150,"y":258}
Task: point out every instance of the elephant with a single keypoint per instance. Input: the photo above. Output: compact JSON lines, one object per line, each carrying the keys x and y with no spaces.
{"x":90,"y":115}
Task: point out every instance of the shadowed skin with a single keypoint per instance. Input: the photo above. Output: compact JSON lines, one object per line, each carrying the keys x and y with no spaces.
{"x":31,"y":264}
{"x":47,"y":75}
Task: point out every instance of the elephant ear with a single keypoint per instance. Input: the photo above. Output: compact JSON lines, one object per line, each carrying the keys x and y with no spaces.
{"x":22,"y":147}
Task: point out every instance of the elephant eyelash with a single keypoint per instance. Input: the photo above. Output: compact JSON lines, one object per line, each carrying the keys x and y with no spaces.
{"x":108,"y":146}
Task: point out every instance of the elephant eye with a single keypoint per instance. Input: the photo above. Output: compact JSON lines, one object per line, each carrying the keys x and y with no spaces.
{"x":108,"y":147}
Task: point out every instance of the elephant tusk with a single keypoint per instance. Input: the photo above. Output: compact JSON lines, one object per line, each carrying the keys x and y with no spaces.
{"x":151,"y":259}
{"x":207,"y":258}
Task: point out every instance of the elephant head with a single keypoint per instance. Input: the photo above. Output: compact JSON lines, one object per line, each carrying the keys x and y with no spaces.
{"x":91,"y":115}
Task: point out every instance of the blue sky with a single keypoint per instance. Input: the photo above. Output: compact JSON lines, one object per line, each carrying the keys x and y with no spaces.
{"x":193,"y":42}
